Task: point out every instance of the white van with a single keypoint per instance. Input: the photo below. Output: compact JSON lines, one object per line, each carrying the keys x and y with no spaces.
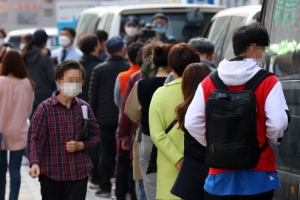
{"x":224,"y":23}
{"x":13,"y":38}
{"x":185,"y":20}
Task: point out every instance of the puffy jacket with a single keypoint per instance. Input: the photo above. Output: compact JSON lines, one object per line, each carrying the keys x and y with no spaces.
{"x":101,"y":91}
{"x":89,"y":62}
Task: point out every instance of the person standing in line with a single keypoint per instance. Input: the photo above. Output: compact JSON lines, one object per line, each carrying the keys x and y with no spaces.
{"x":25,"y":39}
{"x":40,"y":67}
{"x":162,"y":115}
{"x":124,"y":166}
{"x":137,"y":109}
{"x":190,"y":181}
{"x":101,"y":98}
{"x":67,"y":51}
{"x":55,"y":132}
{"x":160,"y":23}
{"x":102,"y":37}
{"x":16,"y":100}
{"x":258,"y":183}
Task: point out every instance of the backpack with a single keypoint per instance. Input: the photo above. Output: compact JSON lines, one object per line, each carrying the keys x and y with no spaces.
{"x":231,"y":125}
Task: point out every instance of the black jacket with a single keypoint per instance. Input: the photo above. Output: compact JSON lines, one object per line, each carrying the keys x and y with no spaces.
{"x":89,"y":62}
{"x":101,"y":91}
{"x":41,"y":71}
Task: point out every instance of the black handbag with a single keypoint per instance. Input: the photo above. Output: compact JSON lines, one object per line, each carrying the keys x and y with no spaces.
{"x":152,"y":166}
{"x":84,"y":135}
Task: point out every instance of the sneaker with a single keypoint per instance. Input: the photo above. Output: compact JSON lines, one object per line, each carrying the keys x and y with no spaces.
{"x":101,"y":193}
{"x":94,"y":186}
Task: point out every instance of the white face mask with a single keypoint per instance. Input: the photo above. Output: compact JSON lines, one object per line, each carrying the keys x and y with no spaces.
{"x":71,"y":90}
{"x":22,"y":45}
{"x":1,"y":41}
{"x":131,"y":31}
{"x":64,"y":40}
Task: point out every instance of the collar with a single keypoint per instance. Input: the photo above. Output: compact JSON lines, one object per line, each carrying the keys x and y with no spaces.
{"x":176,"y":81}
{"x":55,"y":101}
{"x":90,"y":57}
{"x":135,"y":67}
{"x":69,"y":48}
{"x":115,"y":58}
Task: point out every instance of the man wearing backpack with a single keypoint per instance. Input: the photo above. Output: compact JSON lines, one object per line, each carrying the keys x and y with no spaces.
{"x":237,"y":126}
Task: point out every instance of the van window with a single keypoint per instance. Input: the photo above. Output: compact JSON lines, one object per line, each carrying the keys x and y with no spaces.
{"x":283,"y":58}
{"x":179,"y":26}
{"x":87,"y":24}
{"x":108,"y":22}
{"x":227,"y":47}
{"x":218,"y":34}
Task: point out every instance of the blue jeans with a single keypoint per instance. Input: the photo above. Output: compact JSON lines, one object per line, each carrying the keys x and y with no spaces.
{"x":15,"y":159}
{"x":142,"y":195}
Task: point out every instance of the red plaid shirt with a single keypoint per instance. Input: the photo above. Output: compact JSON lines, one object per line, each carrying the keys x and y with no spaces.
{"x":52,"y":126}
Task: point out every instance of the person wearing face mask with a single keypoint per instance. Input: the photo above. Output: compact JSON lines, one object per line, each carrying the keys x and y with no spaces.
{"x":131,"y":28}
{"x":160,"y":25}
{"x":40,"y":67}
{"x":3,"y":48}
{"x":67,"y":51}
{"x":57,"y":154}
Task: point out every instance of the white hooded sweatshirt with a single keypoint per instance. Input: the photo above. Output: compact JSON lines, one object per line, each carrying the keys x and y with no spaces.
{"x":236,"y":73}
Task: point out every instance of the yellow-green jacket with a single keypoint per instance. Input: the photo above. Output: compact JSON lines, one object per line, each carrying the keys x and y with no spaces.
{"x":170,"y":146}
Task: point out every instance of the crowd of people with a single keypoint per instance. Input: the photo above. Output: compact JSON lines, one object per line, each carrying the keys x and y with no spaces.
{"x":135,"y":112}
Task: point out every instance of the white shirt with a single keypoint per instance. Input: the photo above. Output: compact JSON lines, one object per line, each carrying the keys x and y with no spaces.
{"x":72,"y":53}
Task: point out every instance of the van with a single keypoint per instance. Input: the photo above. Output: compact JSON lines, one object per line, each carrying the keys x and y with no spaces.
{"x":185,"y":20}
{"x":281,"y":19}
{"x":13,"y":38}
{"x":222,"y":26}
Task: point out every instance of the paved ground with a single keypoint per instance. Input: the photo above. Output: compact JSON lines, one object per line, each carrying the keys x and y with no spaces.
{"x":30,"y":188}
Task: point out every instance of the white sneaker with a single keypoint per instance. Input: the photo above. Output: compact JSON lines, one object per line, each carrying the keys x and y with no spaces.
{"x":93,"y":186}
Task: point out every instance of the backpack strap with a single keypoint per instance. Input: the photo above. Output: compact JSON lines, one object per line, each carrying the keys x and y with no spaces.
{"x":171,"y":126}
{"x":217,"y":81}
{"x":264,"y":146}
{"x":257,"y":79}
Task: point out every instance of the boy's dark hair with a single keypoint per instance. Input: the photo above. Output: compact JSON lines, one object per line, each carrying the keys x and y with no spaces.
{"x":61,"y":68}
{"x":102,"y":35}
{"x":203,"y":45}
{"x":160,"y":16}
{"x":88,"y":43}
{"x":296,"y":56}
{"x":244,"y":36}
{"x":181,"y":55}
{"x":70,"y":30}
{"x":160,"y":55}
{"x":132,"y":51}
{"x":27,"y":37}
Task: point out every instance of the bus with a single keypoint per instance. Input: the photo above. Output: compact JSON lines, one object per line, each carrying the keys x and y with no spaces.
{"x":281,"y":19}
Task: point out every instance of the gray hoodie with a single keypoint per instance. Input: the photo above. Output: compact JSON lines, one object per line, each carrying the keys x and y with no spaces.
{"x":41,"y":71}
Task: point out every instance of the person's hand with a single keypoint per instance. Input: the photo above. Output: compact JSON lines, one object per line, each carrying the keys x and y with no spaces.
{"x":34,"y":171}
{"x":179,"y":164}
{"x":73,"y":146}
{"x":126,"y":145}
{"x":54,"y":58}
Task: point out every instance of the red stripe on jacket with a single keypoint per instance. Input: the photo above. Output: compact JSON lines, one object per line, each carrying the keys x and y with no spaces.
{"x":267,"y":158}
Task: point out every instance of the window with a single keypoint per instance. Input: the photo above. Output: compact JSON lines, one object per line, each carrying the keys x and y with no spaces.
{"x":108,"y":22}
{"x":281,"y":18}
{"x":179,"y":26}
{"x":87,"y":24}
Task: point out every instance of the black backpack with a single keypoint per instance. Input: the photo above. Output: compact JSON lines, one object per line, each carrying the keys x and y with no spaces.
{"x":231,"y":125}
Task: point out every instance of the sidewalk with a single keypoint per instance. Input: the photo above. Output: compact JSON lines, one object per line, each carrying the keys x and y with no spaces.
{"x":30,"y":188}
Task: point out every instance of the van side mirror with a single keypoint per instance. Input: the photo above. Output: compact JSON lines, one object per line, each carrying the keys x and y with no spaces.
{"x":195,"y":16}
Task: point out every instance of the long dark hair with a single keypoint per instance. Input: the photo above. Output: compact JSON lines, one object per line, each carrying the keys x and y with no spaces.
{"x":13,"y":63}
{"x":192,"y":76}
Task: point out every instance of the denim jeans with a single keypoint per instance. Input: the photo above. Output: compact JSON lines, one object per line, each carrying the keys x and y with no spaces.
{"x":142,"y":195}
{"x":15,"y":158}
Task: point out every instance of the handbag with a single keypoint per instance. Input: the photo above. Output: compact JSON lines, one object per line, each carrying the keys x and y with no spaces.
{"x":84,"y":135}
{"x":152,"y":166}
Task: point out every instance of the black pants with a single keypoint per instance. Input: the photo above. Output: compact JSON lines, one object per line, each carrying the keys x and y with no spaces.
{"x":124,"y":176}
{"x":262,"y":196}
{"x":63,"y":190}
{"x":107,"y":160}
{"x":94,"y":154}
